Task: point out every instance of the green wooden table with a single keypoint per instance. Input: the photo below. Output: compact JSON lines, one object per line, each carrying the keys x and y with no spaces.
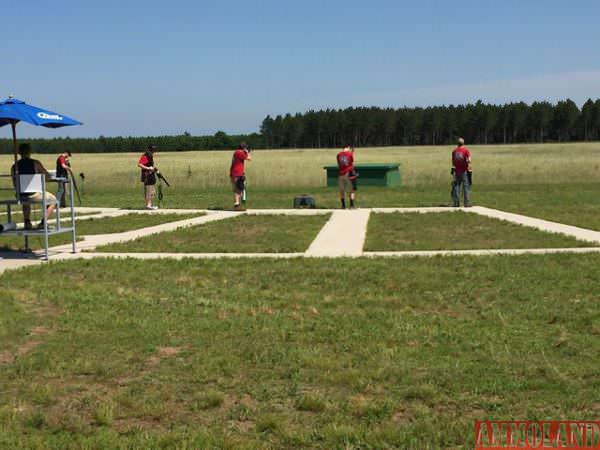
{"x":369,"y":174}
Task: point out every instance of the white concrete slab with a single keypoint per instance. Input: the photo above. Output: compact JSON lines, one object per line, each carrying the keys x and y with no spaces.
{"x":484,"y":252}
{"x":428,"y":209}
{"x":289,"y":212}
{"x":541,"y":224}
{"x":177,"y":256}
{"x":343,"y":235}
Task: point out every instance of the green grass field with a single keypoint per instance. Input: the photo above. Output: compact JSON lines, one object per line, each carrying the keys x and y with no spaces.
{"x":455,"y":231}
{"x":387,"y":353}
{"x":343,"y":353}
{"x":251,"y":234}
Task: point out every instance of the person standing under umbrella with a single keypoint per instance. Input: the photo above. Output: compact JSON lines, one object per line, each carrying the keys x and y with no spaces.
{"x":148,"y":176}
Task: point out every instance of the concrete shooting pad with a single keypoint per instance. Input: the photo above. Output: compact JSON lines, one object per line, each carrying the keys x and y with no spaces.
{"x":343,"y":235}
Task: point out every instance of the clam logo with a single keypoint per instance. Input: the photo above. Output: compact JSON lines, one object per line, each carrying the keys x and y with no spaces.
{"x":46,"y":116}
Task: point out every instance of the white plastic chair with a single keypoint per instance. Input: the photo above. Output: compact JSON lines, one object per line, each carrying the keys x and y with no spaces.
{"x":30,"y":184}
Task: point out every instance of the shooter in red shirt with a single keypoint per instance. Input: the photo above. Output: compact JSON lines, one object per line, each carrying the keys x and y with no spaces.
{"x":63,"y":170}
{"x":346,"y":175}
{"x":237,"y":173}
{"x":461,"y":169}
{"x":148,"y":175}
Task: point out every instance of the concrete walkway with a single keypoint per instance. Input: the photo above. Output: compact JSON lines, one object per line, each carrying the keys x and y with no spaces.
{"x":484,"y":252}
{"x":342,"y":236}
{"x":540,"y":224}
{"x":177,"y":256}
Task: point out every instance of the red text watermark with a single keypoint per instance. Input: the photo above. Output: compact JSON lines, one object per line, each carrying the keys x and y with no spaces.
{"x":563,"y":434}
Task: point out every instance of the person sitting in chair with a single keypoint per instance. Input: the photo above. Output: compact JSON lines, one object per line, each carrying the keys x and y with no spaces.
{"x":28,"y":166}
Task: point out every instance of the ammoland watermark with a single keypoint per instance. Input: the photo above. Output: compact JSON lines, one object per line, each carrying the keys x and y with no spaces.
{"x":556,"y":434}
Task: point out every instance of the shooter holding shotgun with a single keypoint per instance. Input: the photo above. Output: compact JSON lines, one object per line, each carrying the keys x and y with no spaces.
{"x":63,"y":170}
{"x":347,"y":176}
{"x":461,"y":171}
{"x":148,"y":175}
{"x":237,"y":174}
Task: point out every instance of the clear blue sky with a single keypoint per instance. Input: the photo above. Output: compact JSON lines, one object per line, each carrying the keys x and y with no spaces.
{"x":135,"y":67}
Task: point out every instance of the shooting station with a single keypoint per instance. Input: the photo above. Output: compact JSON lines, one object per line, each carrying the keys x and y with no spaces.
{"x":369,"y":174}
{"x":29,"y":189}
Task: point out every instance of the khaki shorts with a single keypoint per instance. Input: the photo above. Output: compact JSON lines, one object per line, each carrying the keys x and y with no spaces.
{"x":345,"y":184}
{"x":38,"y":197}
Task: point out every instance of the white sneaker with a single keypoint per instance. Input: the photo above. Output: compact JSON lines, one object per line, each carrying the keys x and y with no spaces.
{"x":152,"y":208}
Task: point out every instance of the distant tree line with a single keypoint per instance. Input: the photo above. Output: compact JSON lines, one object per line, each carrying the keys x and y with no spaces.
{"x":479,"y":123}
{"x":102,"y":144}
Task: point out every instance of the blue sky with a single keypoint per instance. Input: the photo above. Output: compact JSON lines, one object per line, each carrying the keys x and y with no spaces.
{"x":150,"y":67}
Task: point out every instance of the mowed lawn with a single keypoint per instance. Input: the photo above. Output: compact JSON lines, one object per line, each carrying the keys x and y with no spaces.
{"x":456,"y":231}
{"x":93,"y":225}
{"x":246,"y":233}
{"x":303,"y":353}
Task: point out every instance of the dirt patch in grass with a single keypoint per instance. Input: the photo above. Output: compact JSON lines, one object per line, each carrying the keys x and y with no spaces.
{"x":6,"y":357}
{"x":162,"y":353}
{"x":28,"y":346}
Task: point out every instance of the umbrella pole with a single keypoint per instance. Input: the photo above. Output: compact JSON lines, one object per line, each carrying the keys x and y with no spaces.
{"x":13,"y":125}
{"x":17,"y":180}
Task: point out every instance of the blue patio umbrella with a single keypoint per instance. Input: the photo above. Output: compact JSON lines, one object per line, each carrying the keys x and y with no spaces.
{"x":13,"y":111}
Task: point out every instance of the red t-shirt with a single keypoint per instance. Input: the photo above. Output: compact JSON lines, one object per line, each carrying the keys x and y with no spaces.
{"x":144,"y":160}
{"x":237,"y":163}
{"x":345,"y":162}
{"x":62,"y":161}
{"x":460,"y":157}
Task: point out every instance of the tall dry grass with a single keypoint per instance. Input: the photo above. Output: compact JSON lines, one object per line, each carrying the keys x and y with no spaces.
{"x":420,"y":166}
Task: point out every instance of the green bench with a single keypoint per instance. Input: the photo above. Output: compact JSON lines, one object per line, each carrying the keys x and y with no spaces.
{"x":369,"y":174}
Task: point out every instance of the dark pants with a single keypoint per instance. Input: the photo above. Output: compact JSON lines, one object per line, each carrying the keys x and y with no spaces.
{"x":461,"y":180}
{"x":61,"y":195}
